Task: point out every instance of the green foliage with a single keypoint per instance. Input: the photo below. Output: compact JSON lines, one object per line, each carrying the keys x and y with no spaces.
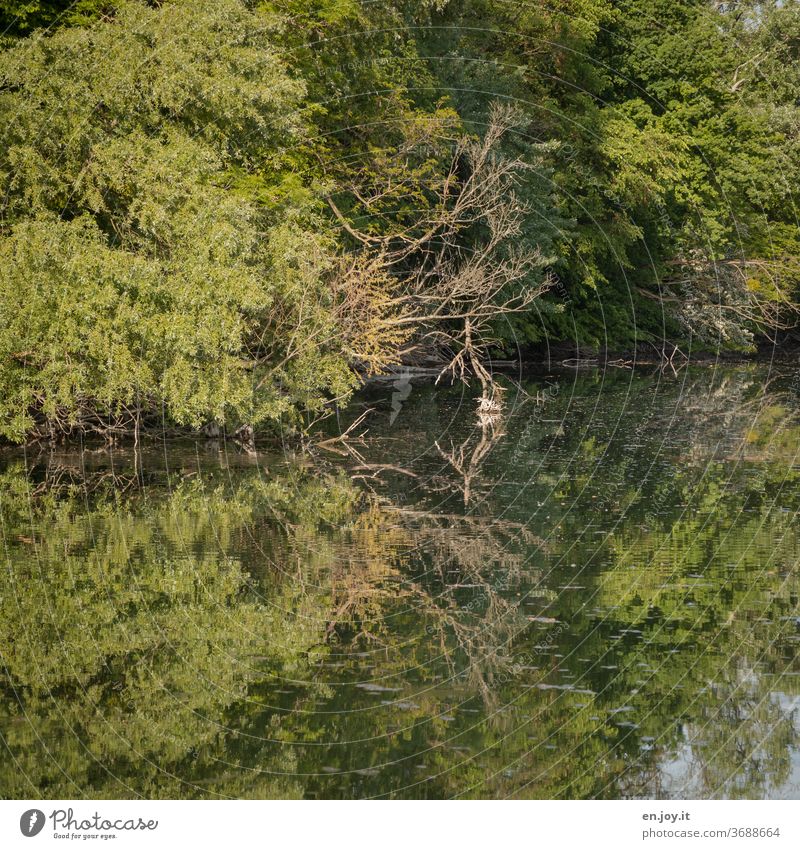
{"x":677,"y":155}
{"x":185,"y":185}
{"x":141,"y":267}
{"x":19,"y":17}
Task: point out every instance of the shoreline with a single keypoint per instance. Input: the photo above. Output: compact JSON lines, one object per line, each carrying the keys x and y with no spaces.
{"x":530,"y":367}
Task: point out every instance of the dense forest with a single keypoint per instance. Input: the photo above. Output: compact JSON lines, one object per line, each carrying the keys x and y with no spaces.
{"x":219,"y":213}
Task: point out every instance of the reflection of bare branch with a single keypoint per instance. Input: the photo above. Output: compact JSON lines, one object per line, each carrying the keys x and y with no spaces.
{"x":379,"y":468}
{"x":466,"y":460}
{"x":456,"y":572}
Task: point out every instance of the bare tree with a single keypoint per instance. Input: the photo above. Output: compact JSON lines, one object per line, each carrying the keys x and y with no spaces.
{"x":443,"y":277}
{"x":729,"y":300}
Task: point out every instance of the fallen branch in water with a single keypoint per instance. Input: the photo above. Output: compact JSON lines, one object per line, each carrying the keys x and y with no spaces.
{"x":333,"y":443}
{"x":382,"y":467}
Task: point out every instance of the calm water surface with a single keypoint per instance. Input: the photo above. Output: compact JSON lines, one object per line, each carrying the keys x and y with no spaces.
{"x":594,"y":596}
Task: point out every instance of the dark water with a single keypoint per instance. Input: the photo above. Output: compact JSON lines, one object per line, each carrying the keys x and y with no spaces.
{"x":594,"y":596}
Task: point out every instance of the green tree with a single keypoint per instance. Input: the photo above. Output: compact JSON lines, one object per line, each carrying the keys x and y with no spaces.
{"x":158,"y":254}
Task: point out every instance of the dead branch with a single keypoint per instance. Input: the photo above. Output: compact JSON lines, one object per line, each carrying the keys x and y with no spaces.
{"x":447,"y":273}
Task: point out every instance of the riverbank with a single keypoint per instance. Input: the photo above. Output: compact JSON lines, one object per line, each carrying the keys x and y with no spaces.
{"x":508,"y":373}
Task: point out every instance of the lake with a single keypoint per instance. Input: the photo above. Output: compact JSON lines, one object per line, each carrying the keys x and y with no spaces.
{"x":593,"y":595}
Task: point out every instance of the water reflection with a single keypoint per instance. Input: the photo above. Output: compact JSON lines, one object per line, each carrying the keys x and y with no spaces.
{"x":596,"y":596}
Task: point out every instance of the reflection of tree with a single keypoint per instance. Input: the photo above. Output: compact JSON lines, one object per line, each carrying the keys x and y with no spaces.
{"x":228,"y":632}
{"x":716,"y":642}
{"x":454,"y":572}
{"x":466,"y":459}
{"x":127,"y":630}
{"x":132,"y":635}
{"x":663,"y":654}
